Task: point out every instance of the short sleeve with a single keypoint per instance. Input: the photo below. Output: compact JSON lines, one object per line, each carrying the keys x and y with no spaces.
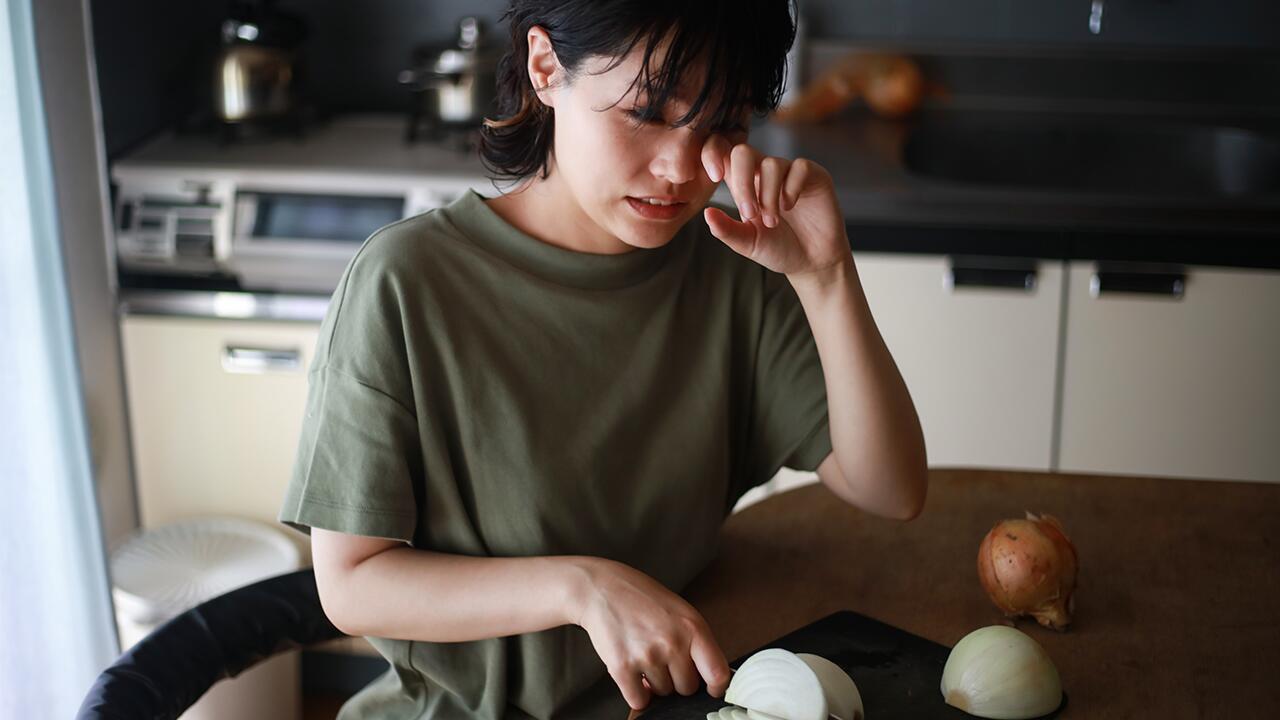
{"x":358,"y":462}
{"x":788,"y":425}
{"x":354,"y":468}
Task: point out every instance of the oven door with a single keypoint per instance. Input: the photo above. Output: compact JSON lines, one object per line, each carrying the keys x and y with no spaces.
{"x":302,"y":241}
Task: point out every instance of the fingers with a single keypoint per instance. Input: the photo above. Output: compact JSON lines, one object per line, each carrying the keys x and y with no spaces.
{"x":684,"y":674}
{"x":797,"y":177}
{"x":772,"y":172}
{"x":658,"y":678}
{"x":714,"y":151}
{"x":740,"y":176}
{"x":739,"y":236}
{"x":762,"y":186}
{"x":635,"y":692}
{"x":709,"y":658}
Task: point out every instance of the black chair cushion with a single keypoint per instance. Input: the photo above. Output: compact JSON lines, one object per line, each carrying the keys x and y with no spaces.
{"x":167,"y":671}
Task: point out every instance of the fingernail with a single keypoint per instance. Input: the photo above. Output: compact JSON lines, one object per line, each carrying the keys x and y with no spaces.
{"x":770,"y":221}
{"x":748,"y":211}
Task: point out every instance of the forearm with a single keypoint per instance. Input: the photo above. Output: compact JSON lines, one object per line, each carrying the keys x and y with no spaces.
{"x":875,"y":432}
{"x":413,"y":594}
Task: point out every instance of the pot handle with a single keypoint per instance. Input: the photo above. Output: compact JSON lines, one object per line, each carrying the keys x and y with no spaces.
{"x":424,"y":79}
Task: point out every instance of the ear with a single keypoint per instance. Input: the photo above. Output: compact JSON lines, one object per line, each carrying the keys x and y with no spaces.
{"x":544,"y":67}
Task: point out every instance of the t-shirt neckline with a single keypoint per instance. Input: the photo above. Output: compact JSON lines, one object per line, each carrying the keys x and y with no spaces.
{"x":487,"y":229}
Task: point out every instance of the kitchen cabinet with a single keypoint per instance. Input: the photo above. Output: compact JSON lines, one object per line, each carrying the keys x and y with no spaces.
{"x":216,"y":409}
{"x":977,"y":341}
{"x":1155,"y":384}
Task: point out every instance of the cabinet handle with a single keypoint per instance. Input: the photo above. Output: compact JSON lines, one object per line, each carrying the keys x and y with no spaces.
{"x":990,"y":272}
{"x":260,"y":360}
{"x":1167,"y":281}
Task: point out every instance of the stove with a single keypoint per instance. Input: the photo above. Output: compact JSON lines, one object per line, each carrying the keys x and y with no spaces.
{"x":277,"y":209}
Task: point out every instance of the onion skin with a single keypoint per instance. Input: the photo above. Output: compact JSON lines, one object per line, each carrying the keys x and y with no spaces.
{"x":893,"y":87}
{"x":1029,"y":567}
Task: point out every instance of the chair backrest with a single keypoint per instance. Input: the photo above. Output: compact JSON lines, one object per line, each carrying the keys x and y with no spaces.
{"x":168,"y":670}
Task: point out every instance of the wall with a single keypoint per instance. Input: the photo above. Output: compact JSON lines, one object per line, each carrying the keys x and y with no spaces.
{"x":154,"y":55}
{"x":79,"y":171}
{"x":1148,"y":23}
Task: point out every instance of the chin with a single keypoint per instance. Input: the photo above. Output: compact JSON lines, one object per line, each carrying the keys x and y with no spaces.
{"x":647,"y":240}
{"x":643,"y":234}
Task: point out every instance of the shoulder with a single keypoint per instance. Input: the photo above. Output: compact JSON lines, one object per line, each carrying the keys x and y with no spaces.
{"x":410,"y":251}
{"x":392,"y":245}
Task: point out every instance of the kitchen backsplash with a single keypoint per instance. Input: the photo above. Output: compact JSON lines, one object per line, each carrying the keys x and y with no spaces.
{"x":152,"y":55}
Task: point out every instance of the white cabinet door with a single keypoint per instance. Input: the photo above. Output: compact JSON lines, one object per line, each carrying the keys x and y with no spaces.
{"x":1184,"y":387}
{"x":216,"y":409}
{"x":980,"y":362}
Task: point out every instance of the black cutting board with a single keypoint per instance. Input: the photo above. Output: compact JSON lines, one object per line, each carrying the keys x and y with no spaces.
{"x":899,"y":675}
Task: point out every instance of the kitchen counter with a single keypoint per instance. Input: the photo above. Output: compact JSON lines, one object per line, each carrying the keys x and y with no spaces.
{"x":864,"y":155}
{"x":1175,"y":610}
{"x":887,"y":207}
{"x":355,"y":145}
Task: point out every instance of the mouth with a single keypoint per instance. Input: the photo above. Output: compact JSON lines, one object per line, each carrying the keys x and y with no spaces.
{"x":657,"y":207}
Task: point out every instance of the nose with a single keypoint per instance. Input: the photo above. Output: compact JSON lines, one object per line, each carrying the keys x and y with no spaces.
{"x":679,"y":156}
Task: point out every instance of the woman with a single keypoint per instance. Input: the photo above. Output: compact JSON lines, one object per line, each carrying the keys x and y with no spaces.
{"x":529,"y":415}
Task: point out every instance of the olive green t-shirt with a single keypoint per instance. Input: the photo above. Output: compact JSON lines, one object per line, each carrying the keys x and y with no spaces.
{"x":480,"y":392}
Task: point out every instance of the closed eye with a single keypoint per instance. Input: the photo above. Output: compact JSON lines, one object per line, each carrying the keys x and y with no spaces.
{"x":644,"y":115}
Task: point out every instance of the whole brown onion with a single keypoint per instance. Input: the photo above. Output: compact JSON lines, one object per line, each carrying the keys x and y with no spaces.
{"x":1028,"y":567}
{"x":893,"y":86}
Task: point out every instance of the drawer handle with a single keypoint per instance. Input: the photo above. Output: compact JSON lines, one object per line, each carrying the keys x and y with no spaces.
{"x":260,"y":360}
{"x":998,"y":273}
{"x":1171,"y":283}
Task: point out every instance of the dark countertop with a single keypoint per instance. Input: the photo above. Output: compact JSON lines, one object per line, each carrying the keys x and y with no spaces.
{"x":889,"y":208}
{"x":864,"y":156}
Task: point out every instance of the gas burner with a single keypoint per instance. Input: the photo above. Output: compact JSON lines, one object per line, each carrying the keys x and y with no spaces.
{"x":294,"y":124}
{"x":458,"y":137}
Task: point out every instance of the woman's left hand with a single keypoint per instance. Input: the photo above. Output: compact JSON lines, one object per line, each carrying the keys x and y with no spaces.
{"x":792,"y":223}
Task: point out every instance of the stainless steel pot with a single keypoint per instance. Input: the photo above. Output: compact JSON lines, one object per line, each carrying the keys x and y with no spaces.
{"x":252,"y":82}
{"x":256,"y":73}
{"x":454,"y":85}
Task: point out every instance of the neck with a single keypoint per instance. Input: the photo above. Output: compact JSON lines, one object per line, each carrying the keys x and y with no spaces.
{"x":546,"y":210}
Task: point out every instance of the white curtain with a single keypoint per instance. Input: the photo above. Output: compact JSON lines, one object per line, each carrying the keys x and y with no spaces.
{"x":55,"y":610}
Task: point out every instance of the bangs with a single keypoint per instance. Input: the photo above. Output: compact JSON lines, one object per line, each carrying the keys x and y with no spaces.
{"x":720,"y":57}
{"x":740,"y":48}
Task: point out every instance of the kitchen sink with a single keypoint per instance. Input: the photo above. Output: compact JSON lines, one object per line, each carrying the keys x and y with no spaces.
{"x":1094,"y":155}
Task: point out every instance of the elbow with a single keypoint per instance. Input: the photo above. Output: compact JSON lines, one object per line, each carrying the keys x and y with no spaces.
{"x":911,"y":512}
{"x":329,"y":589}
{"x":342,"y":580}
{"x":914,"y":505}
{"x":911,"y":486}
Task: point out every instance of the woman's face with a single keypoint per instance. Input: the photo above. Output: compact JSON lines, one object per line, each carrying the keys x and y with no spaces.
{"x":611,"y":161}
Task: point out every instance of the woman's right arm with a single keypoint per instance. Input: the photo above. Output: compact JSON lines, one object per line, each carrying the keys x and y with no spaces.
{"x":384,"y":588}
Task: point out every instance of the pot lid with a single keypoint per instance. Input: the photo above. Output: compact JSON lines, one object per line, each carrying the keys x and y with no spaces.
{"x":469,"y":51}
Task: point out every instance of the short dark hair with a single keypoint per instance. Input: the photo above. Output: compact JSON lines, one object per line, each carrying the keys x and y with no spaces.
{"x":744,"y":44}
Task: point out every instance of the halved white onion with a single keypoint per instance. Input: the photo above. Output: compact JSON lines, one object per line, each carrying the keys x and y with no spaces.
{"x":776,"y":682}
{"x":728,"y":712}
{"x":843,"y":699}
{"x":1001,"y":673}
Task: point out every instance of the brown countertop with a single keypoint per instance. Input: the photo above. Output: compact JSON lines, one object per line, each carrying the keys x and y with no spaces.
{"x":1175,"y":609}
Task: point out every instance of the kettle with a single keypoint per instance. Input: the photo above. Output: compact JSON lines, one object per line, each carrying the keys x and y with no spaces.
{"x":256,"y":73}
{"x":456,"y":84}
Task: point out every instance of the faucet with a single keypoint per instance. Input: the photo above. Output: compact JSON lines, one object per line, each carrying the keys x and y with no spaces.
{"x":1095,"y":17}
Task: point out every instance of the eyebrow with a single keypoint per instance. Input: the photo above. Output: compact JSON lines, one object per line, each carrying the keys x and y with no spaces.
{"x":727,"y":124}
